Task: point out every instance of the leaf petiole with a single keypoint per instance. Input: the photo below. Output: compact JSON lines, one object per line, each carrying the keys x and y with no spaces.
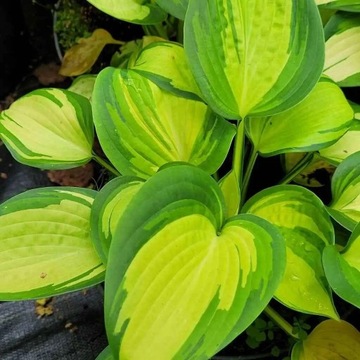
{"x":281,"y":322}
{"x":297,"y":169}
{"x":106,"y":165}
{"x":238,"y":154}
{"x":252,"y":159}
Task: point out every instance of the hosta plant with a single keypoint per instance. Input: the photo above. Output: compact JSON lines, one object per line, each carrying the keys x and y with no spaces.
{"x":189,"y":260}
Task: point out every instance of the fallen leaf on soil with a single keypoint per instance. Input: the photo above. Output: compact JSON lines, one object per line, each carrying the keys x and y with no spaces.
{"x":79,"y":176}
{"x":43,"y":307}
{"x":48,"y":74}
{"x":82,"y":56}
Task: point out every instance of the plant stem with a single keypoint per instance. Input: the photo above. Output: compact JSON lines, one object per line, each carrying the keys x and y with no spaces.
{"x":106,"y":165}
{"x":238,"y":155}
{"x":249,"y":169}
{"x":280,"y":321}
{"x":297,"y":169}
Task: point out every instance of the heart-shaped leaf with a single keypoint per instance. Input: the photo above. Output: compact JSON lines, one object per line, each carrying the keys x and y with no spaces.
{"x":181,"y":283}
{"x":176,"y":8}
{"x":342,"y":49}
{"x":49,"y":128}
{"x":108,"y":207}
{"x":322,"y":118}
{"x":142,"y":127}
{"x":166,"y":65}
{"x":45,"y":245}
{"x":345,"y":187}
{"x":142,"y":12}
{"x":331,"y":339}
{"x":346,"y":5}
{"x":307,"y":229}
{"x":257,"y":58}
{"x":343,"y":269}
{"x":81,"y":57}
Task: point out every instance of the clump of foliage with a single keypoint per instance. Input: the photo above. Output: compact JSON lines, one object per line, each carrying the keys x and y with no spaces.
{"x":189,"y":259}
{"x":71,"y":23}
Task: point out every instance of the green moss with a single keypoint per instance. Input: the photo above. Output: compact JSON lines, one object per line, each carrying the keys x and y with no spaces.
{"x":71,"y":23}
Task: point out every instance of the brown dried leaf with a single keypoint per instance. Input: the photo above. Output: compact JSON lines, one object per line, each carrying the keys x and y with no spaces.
{"x":82,"y":56}
{"x":43,"y":307}
{"x":48,"y":74}
{"x":79,"y":176}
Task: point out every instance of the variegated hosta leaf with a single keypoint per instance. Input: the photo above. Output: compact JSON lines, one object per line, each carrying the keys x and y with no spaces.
{"x":108,"y":207}
{"x":347,"y":5}
{"x":342,"y":49}
{"x":331,"y":339}
{"x":83,"y":85}
{"x":176,"y":8}
{"x":49,"y":128}
{"x":166,"y":65}
{"x":307,"y":229}
{"x":348,"y":144}
{"x":322,"y":118}
{"x":142,"y":12}
{"x":343,"y":269}
{"x":142,"y":127}
{"x":254,"y":58}
{"x":345,"y":186}
{"x":45,"y":245}
{"x":181,"y":283}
